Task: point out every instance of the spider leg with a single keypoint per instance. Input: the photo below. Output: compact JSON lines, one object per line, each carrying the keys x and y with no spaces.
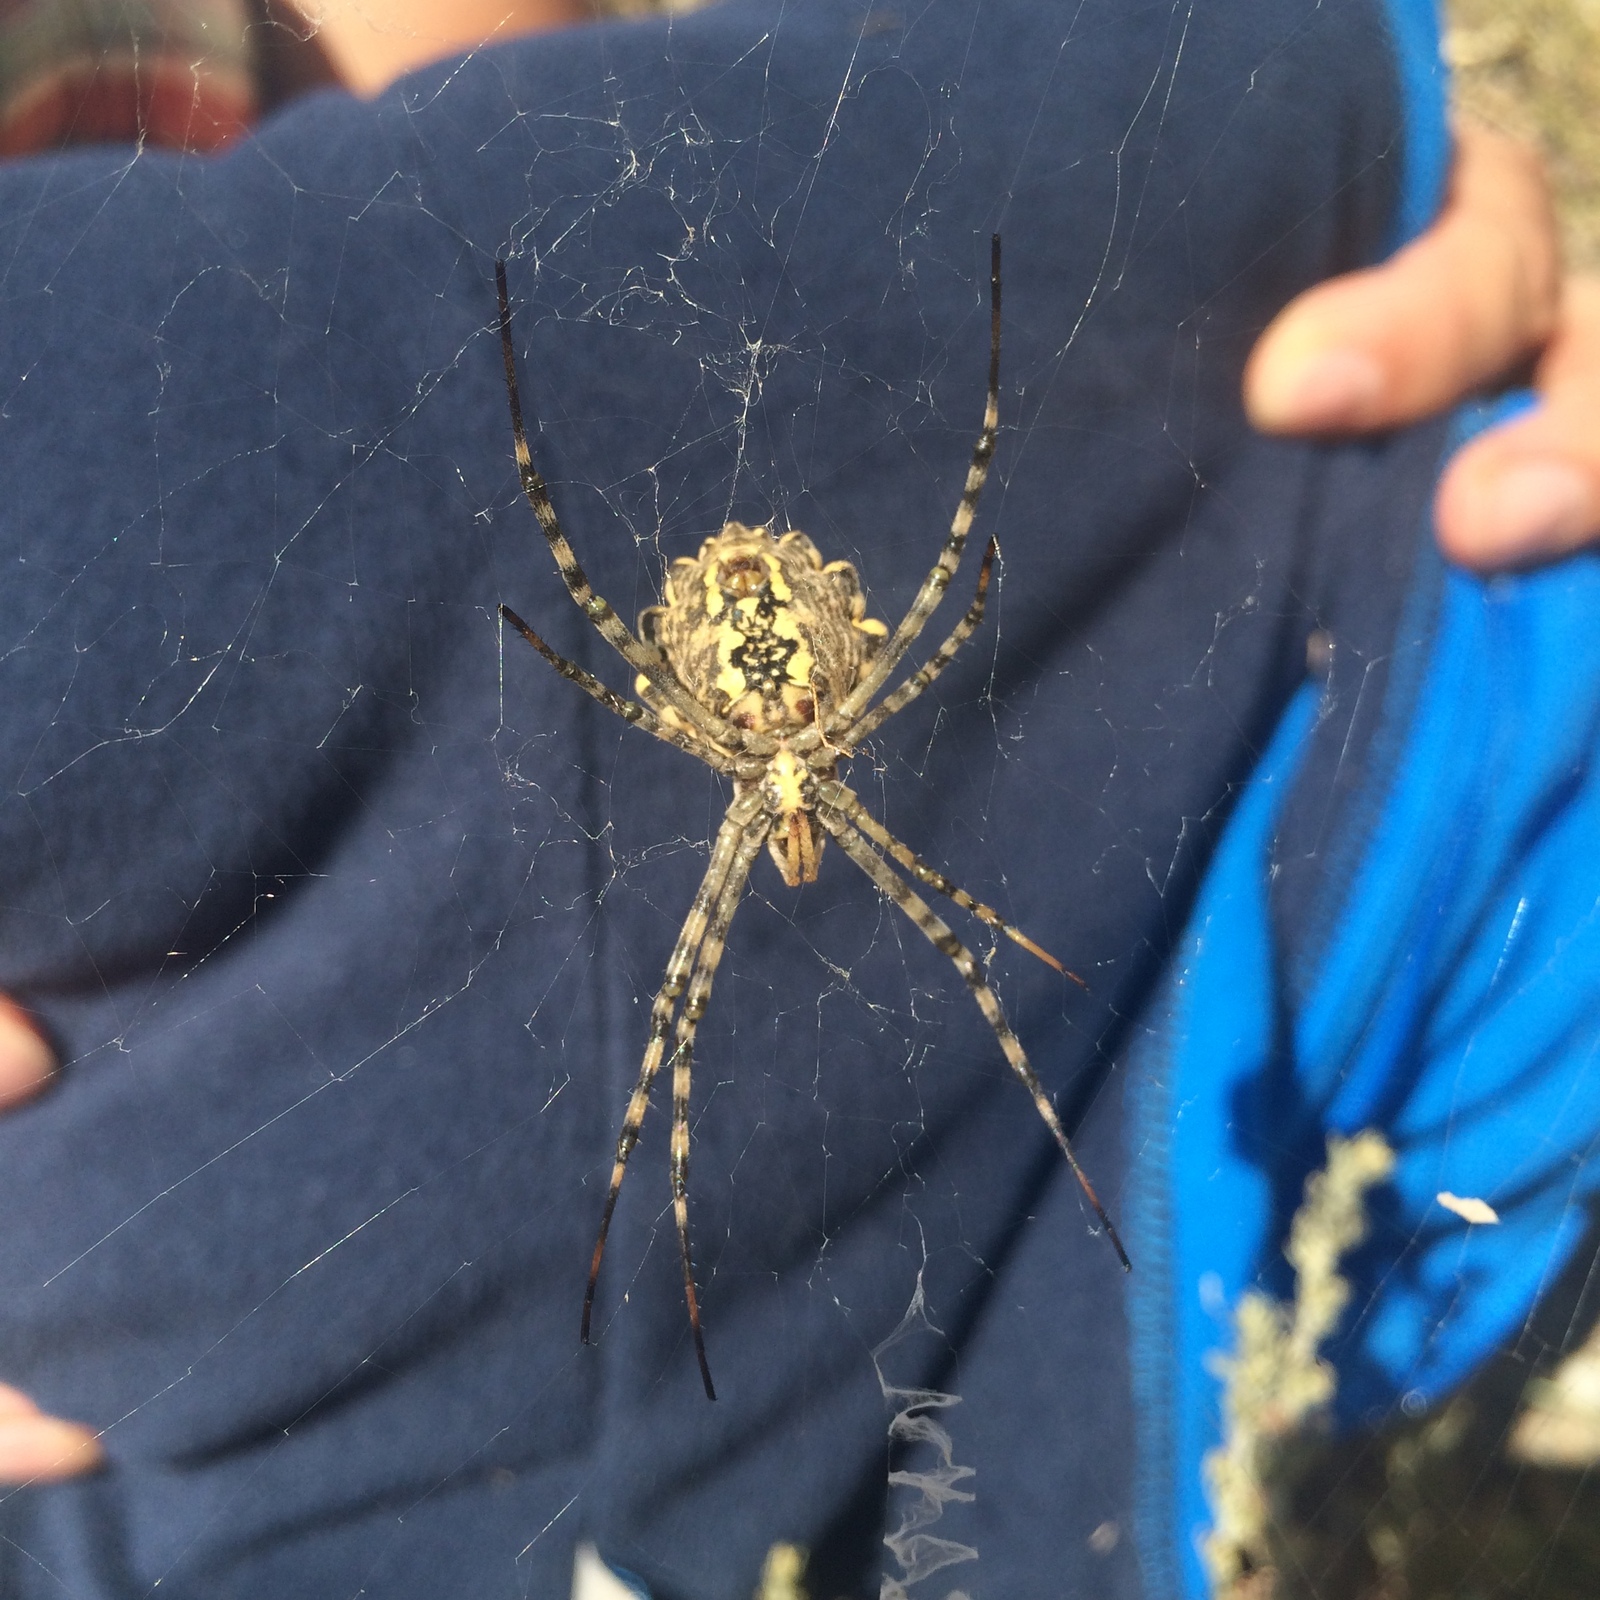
{"x":685,"y":953}
{"x":641,"y":657}
{"x":940,"y":659}
{"x":630,"y":711}
{"x":938,"y":934}
{"x":694,"y":1007}
{"x":841,"y":799}
{"x":938,"y":579}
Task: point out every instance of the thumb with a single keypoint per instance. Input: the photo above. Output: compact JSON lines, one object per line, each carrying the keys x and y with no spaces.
{"x":27,"y":1063}
{"x":35,"y":1448}
{"x":1449,"y":313}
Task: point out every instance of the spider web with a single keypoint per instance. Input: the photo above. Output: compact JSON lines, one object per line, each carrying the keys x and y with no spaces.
{"x":346,"y":913}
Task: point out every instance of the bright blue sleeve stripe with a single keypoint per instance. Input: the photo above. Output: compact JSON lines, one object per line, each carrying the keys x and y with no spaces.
{"x":1201,"y":1199}
{"x":1424,"y":85}
{"x":1476,"y":1048}
{"x":1198,"y":1205}
{"x":1456,"y":1007}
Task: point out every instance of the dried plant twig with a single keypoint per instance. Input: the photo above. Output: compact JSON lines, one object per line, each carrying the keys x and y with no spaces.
{"x":1275,"y":1381}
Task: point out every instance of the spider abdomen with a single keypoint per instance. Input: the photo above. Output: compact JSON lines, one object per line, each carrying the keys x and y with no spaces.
{"x":760,"y":631}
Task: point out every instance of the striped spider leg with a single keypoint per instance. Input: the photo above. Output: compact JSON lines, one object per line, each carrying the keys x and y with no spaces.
{"x":692,"y":965}
{"x":844,"y":813}
{"x":837,"y":797}
{"x":938,"y":934}
{"x":936,"y":663}
{"x":690,"y":971}
{"x":762,"y":662}
{"x":629,"y":710}
{"x":644,"y":659}
{"x":694,"y":1007}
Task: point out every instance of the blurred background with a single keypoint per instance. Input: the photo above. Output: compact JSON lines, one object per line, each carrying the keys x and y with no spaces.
{"x":1532,"y":68}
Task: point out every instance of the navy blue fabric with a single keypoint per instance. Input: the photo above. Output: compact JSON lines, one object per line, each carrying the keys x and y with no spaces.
{"x":346,"y":911}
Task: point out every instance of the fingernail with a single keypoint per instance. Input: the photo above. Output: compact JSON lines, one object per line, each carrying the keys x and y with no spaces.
{"x":1329,"y":389}
{"x":27,"y":1063}
{"x":1539,"y":508}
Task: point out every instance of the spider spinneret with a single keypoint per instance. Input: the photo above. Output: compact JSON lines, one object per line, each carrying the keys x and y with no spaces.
{"x":762,"y":662}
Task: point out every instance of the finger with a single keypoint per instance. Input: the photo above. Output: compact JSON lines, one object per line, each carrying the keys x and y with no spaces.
{"x":1460,"y":306}
{"x":35,"y":1448}
{"x":27,"y":1063}
{"x":14,"y":1403}
{"x":1530,"y":489}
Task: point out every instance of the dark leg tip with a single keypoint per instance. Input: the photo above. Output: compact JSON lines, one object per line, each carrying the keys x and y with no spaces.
{"x":700,"y":1356}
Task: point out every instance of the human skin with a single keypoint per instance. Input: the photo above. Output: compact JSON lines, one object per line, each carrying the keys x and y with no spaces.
{"x":1475,"y":299}
{"x":372,"y":42}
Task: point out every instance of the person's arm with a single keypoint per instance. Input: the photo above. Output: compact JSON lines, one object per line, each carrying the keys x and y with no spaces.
{"x":1476,"y":300}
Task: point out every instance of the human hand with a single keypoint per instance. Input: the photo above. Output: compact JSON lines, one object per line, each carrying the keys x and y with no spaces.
{"x":1470,"y":302}
{"x":34,"y":1448}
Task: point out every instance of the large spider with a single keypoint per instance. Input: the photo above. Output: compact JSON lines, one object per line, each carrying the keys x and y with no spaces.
{"x":762,"y":663}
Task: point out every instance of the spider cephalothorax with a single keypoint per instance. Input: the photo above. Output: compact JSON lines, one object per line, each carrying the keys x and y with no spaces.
{"x":762,"y":662}
{"x":759,"y":631}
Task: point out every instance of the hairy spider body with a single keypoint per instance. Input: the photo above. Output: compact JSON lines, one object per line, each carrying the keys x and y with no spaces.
{"x":762,"y":662}
{"x":759,"y":631}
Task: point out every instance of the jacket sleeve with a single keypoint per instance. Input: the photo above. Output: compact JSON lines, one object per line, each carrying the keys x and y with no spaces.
{"x":1452,"y":1001}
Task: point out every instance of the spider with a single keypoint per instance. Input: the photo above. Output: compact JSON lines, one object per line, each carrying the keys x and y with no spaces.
{"x":763,"y":663}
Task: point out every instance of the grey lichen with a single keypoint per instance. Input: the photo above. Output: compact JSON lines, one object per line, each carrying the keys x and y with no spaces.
{"x":1275,"y":1381}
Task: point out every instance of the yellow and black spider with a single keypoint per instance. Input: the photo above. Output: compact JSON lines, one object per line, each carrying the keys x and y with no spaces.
{"x":762,"y":662}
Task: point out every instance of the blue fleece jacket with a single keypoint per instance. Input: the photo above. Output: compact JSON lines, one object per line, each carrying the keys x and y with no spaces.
{"x":345,"y":911}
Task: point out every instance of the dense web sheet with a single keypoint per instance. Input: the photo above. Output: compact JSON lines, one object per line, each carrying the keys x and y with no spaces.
{"x":346,"y":911}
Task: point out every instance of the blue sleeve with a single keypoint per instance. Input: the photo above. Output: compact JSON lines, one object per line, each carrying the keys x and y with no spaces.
{"x":1452,"y":1000}
{"x":1456,"y":1008}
